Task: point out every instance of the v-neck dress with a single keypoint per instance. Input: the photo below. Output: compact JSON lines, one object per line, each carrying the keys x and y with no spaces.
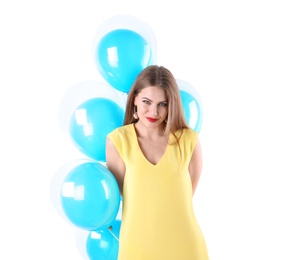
{"x":158,"y":221}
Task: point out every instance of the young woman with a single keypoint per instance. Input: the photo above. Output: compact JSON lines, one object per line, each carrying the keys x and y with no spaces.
{"x":156,"y":160}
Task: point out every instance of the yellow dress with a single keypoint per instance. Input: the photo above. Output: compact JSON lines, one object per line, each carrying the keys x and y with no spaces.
{"x":158,"y":221}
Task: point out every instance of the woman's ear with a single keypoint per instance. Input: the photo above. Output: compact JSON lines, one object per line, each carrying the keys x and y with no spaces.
{"x":135,"y":101}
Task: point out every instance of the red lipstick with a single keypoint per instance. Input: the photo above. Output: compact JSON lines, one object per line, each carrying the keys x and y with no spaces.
{"x":152,"y":120}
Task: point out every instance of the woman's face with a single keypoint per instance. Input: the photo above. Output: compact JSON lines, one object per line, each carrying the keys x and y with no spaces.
{"x":152,"y":106}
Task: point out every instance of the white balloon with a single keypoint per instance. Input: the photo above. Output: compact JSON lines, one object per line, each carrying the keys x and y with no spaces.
{"x":81,"y":236}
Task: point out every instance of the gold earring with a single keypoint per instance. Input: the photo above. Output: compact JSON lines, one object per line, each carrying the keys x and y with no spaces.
{"x":135,"y":115}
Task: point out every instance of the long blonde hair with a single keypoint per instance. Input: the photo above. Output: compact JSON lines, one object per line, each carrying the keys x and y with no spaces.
{"x":158,"y":76}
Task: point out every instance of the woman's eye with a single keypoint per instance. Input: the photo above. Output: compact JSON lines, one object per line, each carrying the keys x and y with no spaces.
{"x":163,"y":104}
{"x":146,"y":102}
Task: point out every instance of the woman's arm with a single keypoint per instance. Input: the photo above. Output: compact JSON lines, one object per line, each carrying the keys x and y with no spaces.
{"x":195,"y":165}
{"x":115,"y":164}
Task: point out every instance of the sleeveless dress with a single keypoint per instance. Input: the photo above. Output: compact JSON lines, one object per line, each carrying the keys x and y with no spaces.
{"x":158,"y":221}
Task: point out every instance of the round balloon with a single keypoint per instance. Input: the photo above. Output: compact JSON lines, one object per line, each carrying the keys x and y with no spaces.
{"x":82,"y":92}
{"x":102,"y":245}
{"x":90,"y":196}
{"x":122,"y":30}
{"x":57,"y":182}
{"x":128,"y":22}
{"x":81,"y":236}
{"x":192,"y":105}
{"x":90,"y":124}
{"x":120,"y":56}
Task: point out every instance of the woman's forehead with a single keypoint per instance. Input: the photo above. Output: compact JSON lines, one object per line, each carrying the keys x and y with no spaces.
{"x":153,"y":93}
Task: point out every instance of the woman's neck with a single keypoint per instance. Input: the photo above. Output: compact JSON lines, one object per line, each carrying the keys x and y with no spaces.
{"x":151,"y":133}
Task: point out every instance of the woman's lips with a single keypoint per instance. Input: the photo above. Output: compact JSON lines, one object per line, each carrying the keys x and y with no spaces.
{"x":152,"y":120}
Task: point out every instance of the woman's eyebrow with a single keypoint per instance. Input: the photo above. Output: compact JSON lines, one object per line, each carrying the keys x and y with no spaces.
{"x":163,"y":101}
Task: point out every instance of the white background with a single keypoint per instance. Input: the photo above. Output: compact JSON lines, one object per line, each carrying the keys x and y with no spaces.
{"x":239,"y":57}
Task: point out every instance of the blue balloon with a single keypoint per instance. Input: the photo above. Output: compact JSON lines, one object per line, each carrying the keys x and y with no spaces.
{"x":192,"y":110}
{"x":90,"y":196}
{"x":91,"y":123}
{"x":120,"y":56}
{"x":102,"y":245}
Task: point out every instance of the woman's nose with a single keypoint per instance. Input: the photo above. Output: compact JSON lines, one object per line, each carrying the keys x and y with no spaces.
{"x":154,"y":110}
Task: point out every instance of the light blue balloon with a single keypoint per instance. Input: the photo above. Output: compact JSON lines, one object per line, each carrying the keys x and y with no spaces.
{"x":120,"y":56}
{"x":192,"y":110}
{"x":102,"y":245}
{"x":91,"y":123}
{"x":90,"y":196}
